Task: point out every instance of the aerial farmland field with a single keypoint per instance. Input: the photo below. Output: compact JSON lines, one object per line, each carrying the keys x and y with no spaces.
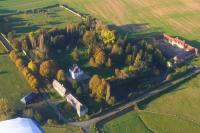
{"x":176,"y":17}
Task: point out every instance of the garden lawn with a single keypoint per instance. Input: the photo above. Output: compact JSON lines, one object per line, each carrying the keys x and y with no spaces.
{"x":2,"y":49}
{"x":13,"y":85}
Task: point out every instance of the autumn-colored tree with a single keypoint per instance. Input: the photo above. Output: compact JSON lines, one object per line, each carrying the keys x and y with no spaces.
{"x":13,"y":55}
{"x":48,"y":68}
{"x":99,"y":56}
{"x":16,"y":44}
{"x":4,"y":107}
{"x":89,"y":38}
{"x":33,"y":67}
{"x":92,"y":62}
{"x":99,"y":87}
{"x":109,"y":62}
{"x":33,"y":82}
{"x":108,"y":36}
{"x":25,"y":71}
{"x":60,"y":76}
{"x":19,"y":63}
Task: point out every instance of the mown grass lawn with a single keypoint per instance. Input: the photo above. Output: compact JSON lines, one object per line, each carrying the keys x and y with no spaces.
{"x":12,"y":85}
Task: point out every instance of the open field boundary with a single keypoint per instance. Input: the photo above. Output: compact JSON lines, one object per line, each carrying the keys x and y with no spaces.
{"x":72,"y":11}
{"x":5,"y":42}
{"x":172,"y":116}
{"x":144,"y":97}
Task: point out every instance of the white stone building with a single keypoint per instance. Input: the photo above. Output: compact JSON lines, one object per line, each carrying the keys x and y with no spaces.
{"x":80,"y":108}
{"x":59,"y":88}
{"x":76,"y":72}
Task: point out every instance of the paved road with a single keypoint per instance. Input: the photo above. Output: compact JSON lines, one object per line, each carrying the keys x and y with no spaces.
{"x":87,"y":124}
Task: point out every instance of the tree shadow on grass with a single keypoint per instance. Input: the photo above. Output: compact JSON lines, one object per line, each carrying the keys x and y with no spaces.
{"x":143,"y":104}
{"x":3,"y":72}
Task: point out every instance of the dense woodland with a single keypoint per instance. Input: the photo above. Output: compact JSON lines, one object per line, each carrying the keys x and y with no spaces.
{"x":103,"y":48}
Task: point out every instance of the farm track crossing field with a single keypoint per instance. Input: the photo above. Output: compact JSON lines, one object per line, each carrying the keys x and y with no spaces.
{"x":13,"y":85}
{"x":176,"y":17}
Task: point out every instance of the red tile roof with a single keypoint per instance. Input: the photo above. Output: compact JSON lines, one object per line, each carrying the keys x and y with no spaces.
{"x":179,"y":42}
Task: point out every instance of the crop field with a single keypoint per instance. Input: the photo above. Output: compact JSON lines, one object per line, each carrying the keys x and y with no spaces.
{"x":176,"y":17}
{"x":13,"y":85}
{"x":2,"y":48}
{"x":168,"y":112}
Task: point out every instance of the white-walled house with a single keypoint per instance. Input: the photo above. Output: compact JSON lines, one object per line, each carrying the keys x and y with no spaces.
{"x":76,"y":72}
{"x":59,"y":88}
{"x":79,"y":107}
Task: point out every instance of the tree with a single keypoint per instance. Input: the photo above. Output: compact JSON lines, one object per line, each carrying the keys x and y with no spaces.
{"x":4,"y":107}
{"x":99,"y":87}
{"x":92,"y":62}
{"x":19,"y":63}
{"x":109,"y":63}
{"x":48,"y":69}
{"x":60,"y":76}
{"x":33,"y":67}
{"x":33,"y":82}
{"x":99,"y":57}
{"x":108,"y":36}
{"x":16,"y":44}
{"x":13,"y":55}
{"x":75,"y":54}
{"x":79,"y":91}
{"x":89,"y":38}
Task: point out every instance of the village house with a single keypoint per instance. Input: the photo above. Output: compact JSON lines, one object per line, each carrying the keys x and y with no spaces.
{"x":76,"y":72}
{"x":59,"y":88}
{"x":178,"y":50}
{"x":78,"y":106}
{"x":80,"y":109}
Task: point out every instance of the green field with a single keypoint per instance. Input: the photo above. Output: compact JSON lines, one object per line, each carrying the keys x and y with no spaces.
{"x":13,"y":85}
{"x":27,"y":22}
{"x":175,"y":17}
{"x":129,"y":123}
{"x":2,"y":48}
{"x":169,"y":112}
{"x":66,"y":129}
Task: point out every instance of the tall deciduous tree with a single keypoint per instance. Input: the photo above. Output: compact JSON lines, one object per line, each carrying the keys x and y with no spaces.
{"x":33,"y":67}
{"x":48,"y":68}
{"x":60,"y":76}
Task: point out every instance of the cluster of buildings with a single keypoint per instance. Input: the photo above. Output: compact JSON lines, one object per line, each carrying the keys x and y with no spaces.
{"x":77,"y":105}
{"x":176,"y":49}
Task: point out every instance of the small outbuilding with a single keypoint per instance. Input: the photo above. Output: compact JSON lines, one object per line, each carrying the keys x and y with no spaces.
{"x":76,"y":72}
{"x":28,"y":99}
